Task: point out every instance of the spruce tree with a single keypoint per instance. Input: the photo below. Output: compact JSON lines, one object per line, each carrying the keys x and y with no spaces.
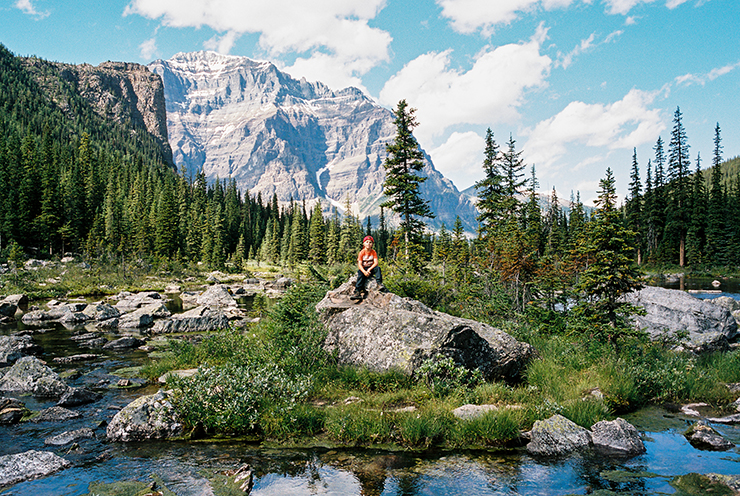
{"x":679,"y":198}
{"x":696,"y":234}
{"x":401,"y":185}
{"x":490,"y":190}
{"x":634,"y":206}
{"x":611,"y":271}
{"x":715,"y":244}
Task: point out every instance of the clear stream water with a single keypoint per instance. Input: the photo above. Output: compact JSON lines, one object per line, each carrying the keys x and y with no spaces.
{"x":186,"y":467}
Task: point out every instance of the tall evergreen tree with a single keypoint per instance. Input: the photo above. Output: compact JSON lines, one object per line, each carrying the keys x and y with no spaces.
{"x":715,"y":244}
{"x":634,"y":207}
{"x":490,"y":190}
{"x":611,"y":272}
{"x":679,"y":199}
{"x":401,"y":185}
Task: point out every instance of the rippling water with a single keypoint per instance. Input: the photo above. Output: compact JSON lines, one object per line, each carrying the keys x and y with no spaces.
{"x":188,"y":468}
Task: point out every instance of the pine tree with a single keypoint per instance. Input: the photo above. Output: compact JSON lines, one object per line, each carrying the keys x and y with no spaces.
{"x":317,"y":235}
{"x":679,"y":189}
{"x":634,"y":207}
{"x":696,"y":234}
{"x":611,"y":272}
{"x":716,"y":246}
{"x":401,"y":185}
{"x":490,"y":190}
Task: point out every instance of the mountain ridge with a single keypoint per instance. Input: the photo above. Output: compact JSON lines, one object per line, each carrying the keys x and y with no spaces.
{"x":276,"y":135}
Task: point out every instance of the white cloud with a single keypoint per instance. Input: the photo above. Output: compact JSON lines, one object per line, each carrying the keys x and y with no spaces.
{"x":467,"y":16}
{"x":623,"y":6}
{"x":327,"y":69}
{"x":312,"y":27}
{"x":490,"y":92}
{"x":27,"y":7}
{"x":148,"y":49}
{"x":619,"y":125}
{"x":672,"y":4}
{"x":460,"y":158}
{"x":703,"y":79}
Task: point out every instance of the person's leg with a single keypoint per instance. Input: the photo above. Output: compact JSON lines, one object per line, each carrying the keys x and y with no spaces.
{"x":378,"y":275}
{"x":360,"y":284}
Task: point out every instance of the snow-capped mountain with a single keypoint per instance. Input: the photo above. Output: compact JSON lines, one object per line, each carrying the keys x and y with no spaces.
{"x":247,"y":120}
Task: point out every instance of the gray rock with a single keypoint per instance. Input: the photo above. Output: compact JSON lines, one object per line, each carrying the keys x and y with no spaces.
{"x":703,"y":437}
{"x":386,"y":332}
{"x":14,"y":347}
{"x":16,"y":299}
{"x":129,"y":302}
{"x":7,"y":309}
{"x":727,"y":302}
{"x":139,"y":318}
{"x":56,"y":414}
{"x":617,"y":437}
{"x":282,"y":283}
{"x":101,"y":311}
{"x":670,"y":311}
{"x":29,"y":375}
{"x":69,"y":437}
{"x":557,"y":436}
{"x":29,"y":465}
{"x":199,"y":319}
{"x":78,"y":396}
{"x":126,"y":342}
{"x":469,"y":412}
{"x":147,"y":417}
{"x":216,"y":296}
{"x":12,"y":410}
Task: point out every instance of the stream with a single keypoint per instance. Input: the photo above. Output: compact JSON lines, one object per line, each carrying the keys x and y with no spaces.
{"x":189,"y":468}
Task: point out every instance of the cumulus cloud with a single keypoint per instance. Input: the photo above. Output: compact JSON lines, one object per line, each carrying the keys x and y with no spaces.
{"x":703,"y":79}
{"x":490,"y":92}
{"x":623,"y":124}
{"x":148,"y":49}
{"x":468,"y":16}
{"x":460,"y":158}
{"x":28,"y":8}
{"x":311,"y":27}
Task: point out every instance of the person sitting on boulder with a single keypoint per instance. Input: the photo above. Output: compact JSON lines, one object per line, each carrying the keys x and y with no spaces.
{"x":367,"y":265}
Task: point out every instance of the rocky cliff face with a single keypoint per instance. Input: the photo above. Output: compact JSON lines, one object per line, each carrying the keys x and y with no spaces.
{"x":243,"y":119}
{"x":123,"y":92}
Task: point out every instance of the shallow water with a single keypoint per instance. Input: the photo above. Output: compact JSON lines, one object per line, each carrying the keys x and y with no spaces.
{"x":186,"y":468}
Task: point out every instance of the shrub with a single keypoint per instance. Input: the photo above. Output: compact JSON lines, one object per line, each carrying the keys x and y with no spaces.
{"x":442,"y":375}
{"x":230,"y":398}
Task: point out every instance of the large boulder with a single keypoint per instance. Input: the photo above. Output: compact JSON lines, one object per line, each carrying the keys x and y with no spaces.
{"x":101,"y":311}
{"x":29,"y":465}
{"x":143,"y":317}
{"x":557,"y":436}
{"x":29,"y":375}
{"x":617,"y":437}
{"x":198,"y":319}
{"x":670,"y":311}
{"x":147,"y":417}
{"x":386,"y":331}
{"x":128,"y":302}
{"x":216,"y":296}
{"x":14,"y":347}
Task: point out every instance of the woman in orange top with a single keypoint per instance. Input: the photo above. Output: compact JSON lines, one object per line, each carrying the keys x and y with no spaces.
{"x":367,"y":265}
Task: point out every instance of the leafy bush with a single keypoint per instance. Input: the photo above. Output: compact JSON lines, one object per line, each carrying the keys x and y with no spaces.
{"x":442,"y":375}
{"x":231,"y":398}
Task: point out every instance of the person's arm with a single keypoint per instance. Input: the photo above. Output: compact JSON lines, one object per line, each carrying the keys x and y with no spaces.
{"x":375,"y":262}
{"x":359,"y":264}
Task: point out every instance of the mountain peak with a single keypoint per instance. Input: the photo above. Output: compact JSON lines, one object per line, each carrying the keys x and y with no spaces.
{"x":234,"y":117}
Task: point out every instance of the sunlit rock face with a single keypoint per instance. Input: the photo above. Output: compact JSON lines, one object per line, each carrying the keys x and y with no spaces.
{"x":247,"y":120}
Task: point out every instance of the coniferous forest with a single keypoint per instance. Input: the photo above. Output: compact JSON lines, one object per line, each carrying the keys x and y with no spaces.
{"x":76,"y":182}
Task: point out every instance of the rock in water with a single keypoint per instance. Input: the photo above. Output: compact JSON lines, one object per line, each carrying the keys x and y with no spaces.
{"x":703,"y":437}
{"x":669,"y":311}
{"x":617,"y":437}
{"x":29,"y":375}
{"x":557,"y":436}
{"x":29,"y":465}
{"x":147,"y":417}
{"x":387,"y":332}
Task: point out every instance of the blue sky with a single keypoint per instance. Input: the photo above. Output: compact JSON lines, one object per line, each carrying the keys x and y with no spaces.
{"x":577,"y":83}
